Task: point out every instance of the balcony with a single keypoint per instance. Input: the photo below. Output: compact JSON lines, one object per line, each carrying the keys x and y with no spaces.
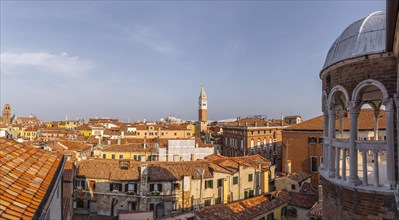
{"x":371,"y":164}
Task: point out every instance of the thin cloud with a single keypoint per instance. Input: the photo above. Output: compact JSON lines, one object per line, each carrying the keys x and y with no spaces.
{"x":149,"y":38}
{"x":62,"y":64}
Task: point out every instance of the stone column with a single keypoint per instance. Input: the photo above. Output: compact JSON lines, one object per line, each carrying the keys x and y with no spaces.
{"x":390,"y":182}
{"x":354,"y":114}
{"x":323,"y":166}
{"x":376,"y":115}
{"x":331,"y":135}
{"x":397,"y":124}
{"x":340,"y":123}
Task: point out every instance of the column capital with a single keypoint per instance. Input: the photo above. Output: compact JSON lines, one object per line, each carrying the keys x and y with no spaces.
{"x":388,"y":104}
{"x":353,"y":106}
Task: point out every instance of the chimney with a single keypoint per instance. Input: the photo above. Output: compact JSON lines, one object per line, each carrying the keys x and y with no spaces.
{"x":320,"y":191}
{"x":119,"y":140}
{"x":256,"y":124}
{"x":288,"y":169}
{"x":192,"y":157}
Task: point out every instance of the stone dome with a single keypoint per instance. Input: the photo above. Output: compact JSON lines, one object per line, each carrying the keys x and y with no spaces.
{"x":366,"y":36}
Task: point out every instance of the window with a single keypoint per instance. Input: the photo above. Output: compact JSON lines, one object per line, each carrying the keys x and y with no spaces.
{"x":115,"y":187}
{"x":131,"y":205}
{"x":113,"y":156}
{"x":152,"y":206}
{"x":220,"y":182}
{"x":175,"y":134}
{"x":250,"y":177}
{"x":313,"y":163}
{"x":270,"y":216}
{"x":258,"y":132}
{"x":92,"y":184}
{"x":251,"y":193}
{"x":321,"y":140}
{"x":235,"y":180}
{"x":80,"y":183}
{"x":159,"y":187}
{"x":208,"y":184}
{"x":156,"y":187}
{"x":176,"y":186}
{"x":120,"y":156}
{"x":252,"y":133}
{"x":284,"y":212}
{"x":131,"y":187}
{"x":263,"y":218}
{"x":293,"y":186}
{"x":321,"y":160}
{"x":135,"y":157}
{"x":208,"y":202}
{"x":104,"y":156}
{"x":161,"y":133}
{"x":312,"y":140}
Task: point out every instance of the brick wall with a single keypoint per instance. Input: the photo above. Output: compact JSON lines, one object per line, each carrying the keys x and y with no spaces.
{"x":343,"y":203}
{"x":382,"y":69}
{"x":300,"y":151}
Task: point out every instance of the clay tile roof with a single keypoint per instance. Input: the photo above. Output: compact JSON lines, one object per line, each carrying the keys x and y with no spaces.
{"x":299,"y":176}
{"x":74,"y":145}
{"x":27,"y":175}
{"x":107,"y":169}
{"x":172,"y":171}
{"x":243,"y":209}
{"x":366,"y":122}
{"x":316,"y":210}
{"x":309,"y":188}
{"x":302,"y":200}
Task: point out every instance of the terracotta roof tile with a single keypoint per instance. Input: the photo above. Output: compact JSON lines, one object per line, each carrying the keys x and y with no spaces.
{"x":243,"y":209}
{"x":21,"y":186}
{"x":366,"y":122}
{"x":302,"y":200}
{"x":299,"y":176}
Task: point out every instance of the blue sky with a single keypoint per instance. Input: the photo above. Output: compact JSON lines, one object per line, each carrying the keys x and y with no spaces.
{"x":148,"y":59}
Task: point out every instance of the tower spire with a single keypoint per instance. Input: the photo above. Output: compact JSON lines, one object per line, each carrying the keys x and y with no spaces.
{"x":202,"y":106}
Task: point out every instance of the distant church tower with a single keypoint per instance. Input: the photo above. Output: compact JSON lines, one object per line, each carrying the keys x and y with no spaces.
{"x":202,"y":106}
{"x":6,"y":114}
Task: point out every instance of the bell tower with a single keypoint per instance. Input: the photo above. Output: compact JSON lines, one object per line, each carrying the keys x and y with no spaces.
{"x":202,"y":106}
{"x":6,"y":114}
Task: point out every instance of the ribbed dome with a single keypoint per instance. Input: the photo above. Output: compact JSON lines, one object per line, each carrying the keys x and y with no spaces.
{"x":366,"y":36}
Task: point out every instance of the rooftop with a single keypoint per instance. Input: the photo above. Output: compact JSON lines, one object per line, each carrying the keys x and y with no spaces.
{"x":365,"y":122}
{"x":26,"y":179}
{"x":244,"y":209}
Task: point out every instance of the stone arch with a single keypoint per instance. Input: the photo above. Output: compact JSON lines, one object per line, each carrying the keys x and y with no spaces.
{"x":369,"y":82}
{"x":337,"y":88}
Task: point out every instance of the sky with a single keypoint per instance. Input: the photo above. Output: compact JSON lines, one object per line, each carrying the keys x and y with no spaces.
{"x":136,"y":60}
